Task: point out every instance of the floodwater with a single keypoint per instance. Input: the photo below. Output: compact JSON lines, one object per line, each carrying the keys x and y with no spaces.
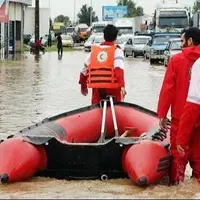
{"x":33,"y":88}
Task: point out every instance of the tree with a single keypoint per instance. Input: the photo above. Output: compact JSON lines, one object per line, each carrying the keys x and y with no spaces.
{"x":133,"y":10}
{"x":64,"y":19}
{"x":84,"y":15}
{"x":196,"y":6}
{"x":139,"y":11}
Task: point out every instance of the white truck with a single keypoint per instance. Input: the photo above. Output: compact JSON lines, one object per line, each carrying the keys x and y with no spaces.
{"x":129,"y":25}
{"x":171,"y":17}
{"x":196,"y":19}
{"x":125,"y":25}
{"x":97,"y":27}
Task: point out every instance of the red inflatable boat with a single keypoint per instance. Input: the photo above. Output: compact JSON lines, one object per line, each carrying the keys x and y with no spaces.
{"x":99,"y":141}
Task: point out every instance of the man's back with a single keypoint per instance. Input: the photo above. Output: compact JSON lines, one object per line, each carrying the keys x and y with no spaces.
{"x":59,"y":41}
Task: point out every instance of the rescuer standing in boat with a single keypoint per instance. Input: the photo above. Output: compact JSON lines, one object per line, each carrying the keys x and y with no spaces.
{"x":173,"y":94}
{"x":104,"y":69}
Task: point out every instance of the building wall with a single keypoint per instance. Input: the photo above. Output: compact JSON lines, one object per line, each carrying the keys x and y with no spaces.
{"x":15,"y":14}
{"x":29,"y":21}
{"x":11,"y":39}
{"x":15,"y":11}
{"x":25,"y":2}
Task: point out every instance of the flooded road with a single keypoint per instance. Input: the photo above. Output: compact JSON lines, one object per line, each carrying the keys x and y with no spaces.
{"x":34,"y":89}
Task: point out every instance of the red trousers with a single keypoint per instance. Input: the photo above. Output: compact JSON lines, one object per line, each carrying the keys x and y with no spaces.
{"x":116,"y":93}
{"x":192,"y":156}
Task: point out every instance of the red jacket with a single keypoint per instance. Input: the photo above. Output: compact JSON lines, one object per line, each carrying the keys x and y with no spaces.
{"x":190,"y":119}
{"x":38,"y":43}
{"x":119,"y":73}
{"x":176,"y":82}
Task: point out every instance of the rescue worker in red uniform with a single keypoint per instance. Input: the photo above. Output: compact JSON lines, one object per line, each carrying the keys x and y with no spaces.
{"x":104,"y":69}
{"x":174,"y":93}
{"x":188,"y":136}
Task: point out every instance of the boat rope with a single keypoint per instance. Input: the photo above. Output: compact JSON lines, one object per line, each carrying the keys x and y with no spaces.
{"x":159,"y":135}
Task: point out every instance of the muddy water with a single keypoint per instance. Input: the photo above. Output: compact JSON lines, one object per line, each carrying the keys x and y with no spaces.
{"x":33,"y":88}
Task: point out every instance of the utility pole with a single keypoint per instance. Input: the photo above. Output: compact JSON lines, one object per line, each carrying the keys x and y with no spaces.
{"x":74,"y":12}
{"x":50,"y":17}
{"x":91,"y":13}
{"x":37,"y":20}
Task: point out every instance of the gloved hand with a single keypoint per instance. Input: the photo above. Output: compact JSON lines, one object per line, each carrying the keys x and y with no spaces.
{"x":163,"y":124}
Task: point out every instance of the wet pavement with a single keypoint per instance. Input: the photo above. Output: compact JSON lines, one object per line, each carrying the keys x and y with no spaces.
{"x":33,"y":88}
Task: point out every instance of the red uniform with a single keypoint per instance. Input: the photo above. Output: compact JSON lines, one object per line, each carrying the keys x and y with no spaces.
{"x":38,"y":44}
{"x":116,"y":62}
{"x":189,"y":129}
{"x":173,"y":94}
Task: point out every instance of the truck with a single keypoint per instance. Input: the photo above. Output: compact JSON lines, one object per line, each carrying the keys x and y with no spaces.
{"x":80,"y":33}
{"x":125,"y":25}
{"x":128,"y":25}
{"x":196,"y":19}
{"x":171,"y":17}
{"x":97,"y":27}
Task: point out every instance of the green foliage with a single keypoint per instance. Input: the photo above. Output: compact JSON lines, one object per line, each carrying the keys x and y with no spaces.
{"x":196,"y":6}
{"x":133,"y":9}
{"x":64,"y":19}
{"x":84,"y":15}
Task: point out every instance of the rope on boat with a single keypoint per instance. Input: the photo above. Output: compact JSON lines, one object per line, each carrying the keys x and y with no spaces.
{"x":160,"y":135}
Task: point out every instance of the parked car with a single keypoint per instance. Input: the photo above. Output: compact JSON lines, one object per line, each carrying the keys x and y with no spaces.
{"x":67,"y":41}
{"x":158,"y":45}
{"x":98,"y":39}
{"x":88,"y":43}
{"x":126,"y":37}
{"x":147,"y":48}
{"x":135,"y":46}
{"x":70,"y":30}
{"x":173,"y":47}
{"x":120,"y":42}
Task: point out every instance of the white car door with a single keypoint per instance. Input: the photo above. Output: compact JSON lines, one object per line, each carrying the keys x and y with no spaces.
{"x":128,"y":50}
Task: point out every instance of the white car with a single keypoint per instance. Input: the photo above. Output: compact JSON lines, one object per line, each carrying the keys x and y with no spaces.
{"x":126,"y":37}
{"x":98,"y":39}
{"x":120,"y":42}
{"x":88,"y":43}
{"x":135,"y":46}
{"x":67,"y":41}
{"x":173,"y":47}
{"x":91,"y":40}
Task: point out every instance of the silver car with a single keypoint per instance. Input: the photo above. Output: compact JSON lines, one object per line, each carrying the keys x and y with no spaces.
{"x":126,"y":37}
{"x":147,"y":48}
{"x":88,"y":43}
{"x":93,"y":39}
{"x":173,"y":47}
{"x":135,"y":46}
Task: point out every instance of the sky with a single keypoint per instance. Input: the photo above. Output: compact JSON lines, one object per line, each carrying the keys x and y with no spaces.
{"x":66,"y":7}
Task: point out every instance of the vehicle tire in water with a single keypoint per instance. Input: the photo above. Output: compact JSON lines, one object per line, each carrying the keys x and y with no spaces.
{"x":145,"y":56}
{"x":152,"y":61}
{"x":125,"y":54}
